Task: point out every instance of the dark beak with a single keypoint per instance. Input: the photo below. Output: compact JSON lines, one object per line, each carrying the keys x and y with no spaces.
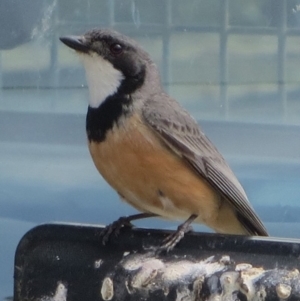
{"x":75,"y":42}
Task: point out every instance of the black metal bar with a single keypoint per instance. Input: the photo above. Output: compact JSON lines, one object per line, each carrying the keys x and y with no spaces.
{"x":111,"y":14}
{"x":1,"y":72}
{"x":281,"y":57}
{"x":68,"y":262}
{"x":158,"y":28}
{"x":223,"y":54}
{"x":53,"y":68}
{"x":166,"y":44}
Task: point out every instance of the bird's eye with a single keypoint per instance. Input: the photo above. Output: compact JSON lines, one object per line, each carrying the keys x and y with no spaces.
{"x":116,"y":49}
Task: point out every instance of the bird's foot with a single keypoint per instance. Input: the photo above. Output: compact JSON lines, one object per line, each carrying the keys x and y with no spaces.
{"x":116,"y":226}
{"x":173,"y":239}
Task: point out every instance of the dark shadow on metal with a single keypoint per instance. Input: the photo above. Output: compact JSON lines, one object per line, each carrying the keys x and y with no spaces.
{"x":68,"y":262}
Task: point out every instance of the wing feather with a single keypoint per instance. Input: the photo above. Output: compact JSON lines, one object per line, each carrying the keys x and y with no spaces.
{"x":182,"y":134}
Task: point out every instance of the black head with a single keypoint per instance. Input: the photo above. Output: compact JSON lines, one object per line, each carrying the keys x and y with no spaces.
{"x":112,"y":61}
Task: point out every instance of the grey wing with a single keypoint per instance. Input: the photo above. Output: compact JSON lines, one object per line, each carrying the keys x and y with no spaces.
{"x":182,"y":134}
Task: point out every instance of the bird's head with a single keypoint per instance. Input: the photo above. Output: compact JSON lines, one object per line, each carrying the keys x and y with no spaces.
{"x":113,"y":63}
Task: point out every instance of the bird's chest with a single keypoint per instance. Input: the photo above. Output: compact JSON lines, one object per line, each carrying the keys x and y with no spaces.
{"x":128,"y":157}
{"x":134,"y":161}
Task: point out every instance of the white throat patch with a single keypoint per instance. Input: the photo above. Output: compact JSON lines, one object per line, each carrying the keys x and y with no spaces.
{"x":102,"y":78}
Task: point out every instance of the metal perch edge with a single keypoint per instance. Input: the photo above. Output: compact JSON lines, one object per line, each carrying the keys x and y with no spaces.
{"x":60,"y":262}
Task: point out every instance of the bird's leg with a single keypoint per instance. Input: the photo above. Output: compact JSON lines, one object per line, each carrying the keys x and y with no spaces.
{"x":124,"y":221}
{"x":173,"y":239}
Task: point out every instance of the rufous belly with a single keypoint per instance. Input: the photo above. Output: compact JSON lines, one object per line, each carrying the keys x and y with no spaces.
{"x":151,"y":178}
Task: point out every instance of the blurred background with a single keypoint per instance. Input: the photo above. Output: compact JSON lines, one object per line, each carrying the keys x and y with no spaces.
{"x":233,"y":64}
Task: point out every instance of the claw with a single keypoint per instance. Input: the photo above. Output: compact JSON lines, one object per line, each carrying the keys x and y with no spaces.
{"x":173,"y":239}
{"x":116,"y":226}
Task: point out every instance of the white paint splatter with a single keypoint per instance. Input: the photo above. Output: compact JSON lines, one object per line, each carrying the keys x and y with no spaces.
{"x":107,"y":289}
{"x":60,"y":294}
{"x":98,"y":263}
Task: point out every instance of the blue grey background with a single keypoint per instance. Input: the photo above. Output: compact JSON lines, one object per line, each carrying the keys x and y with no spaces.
{"x":233,"y":64}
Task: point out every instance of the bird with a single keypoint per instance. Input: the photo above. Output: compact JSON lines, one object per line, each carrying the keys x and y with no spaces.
{"x":150,"y":149}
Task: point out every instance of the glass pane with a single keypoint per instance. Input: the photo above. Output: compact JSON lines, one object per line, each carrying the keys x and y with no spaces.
{"x":233,"y":64}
